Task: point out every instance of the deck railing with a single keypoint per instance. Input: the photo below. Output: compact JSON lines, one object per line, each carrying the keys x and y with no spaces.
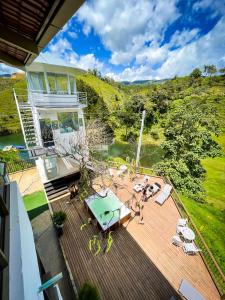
{"x":207,"y":256}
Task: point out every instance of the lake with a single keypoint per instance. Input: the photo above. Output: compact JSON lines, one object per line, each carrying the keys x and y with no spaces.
{"x":15,"y":140}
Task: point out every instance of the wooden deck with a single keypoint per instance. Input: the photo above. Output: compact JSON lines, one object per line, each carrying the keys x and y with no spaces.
{"x":142,"y":263}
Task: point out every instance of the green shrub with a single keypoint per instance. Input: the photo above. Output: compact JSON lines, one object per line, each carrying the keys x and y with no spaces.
{"x":88,"y":292}
{"x":154,"y":133}
{"x":59,"y":217}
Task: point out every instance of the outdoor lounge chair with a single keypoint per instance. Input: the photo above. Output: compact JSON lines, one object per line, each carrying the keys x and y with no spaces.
{"x":190,"y":248}
{"x":189,"y":292}
{"x":164,"y":195}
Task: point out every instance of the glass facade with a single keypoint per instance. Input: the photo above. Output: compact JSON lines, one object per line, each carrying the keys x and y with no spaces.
{"x":37,"y":82}
{"x":68,"y":122}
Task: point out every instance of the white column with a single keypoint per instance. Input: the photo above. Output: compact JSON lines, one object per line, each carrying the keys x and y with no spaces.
{"x":140,"y":139}
{"x":46,"y":83}
{"x":68,"y":84}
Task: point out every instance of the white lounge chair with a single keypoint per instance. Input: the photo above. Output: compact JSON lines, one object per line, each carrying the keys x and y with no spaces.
{"x":189,"y":292}
{"x":164,"y":195}
{"x":182,"y":222}
{"x":190,"y":248}
{"x":176,"y":240}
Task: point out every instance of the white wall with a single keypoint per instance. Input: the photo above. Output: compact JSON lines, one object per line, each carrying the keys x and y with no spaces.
{"x":24,"y":277}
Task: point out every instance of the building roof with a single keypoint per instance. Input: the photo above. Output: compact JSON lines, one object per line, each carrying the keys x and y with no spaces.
{"x":54,"y":68}
{"x":26,"y":27}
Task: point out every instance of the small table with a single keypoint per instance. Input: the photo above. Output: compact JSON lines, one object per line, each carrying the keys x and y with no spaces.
{"x":187,"y":233}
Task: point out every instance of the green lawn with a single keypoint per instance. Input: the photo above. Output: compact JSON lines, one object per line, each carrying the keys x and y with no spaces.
{"x":214,"y":183}
{"x":35,"y":204}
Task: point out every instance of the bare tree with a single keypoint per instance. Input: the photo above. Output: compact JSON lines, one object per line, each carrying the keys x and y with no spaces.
{"x":83,"y":148}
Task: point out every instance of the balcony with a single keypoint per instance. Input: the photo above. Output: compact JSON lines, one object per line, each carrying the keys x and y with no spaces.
{"x":58,"y":100}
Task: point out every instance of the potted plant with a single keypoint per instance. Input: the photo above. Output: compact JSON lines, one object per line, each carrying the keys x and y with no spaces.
{"x":88,"y":292}
{"x":59,"y":218}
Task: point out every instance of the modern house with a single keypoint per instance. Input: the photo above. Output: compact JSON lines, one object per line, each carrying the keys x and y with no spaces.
{"x":52,"y":118}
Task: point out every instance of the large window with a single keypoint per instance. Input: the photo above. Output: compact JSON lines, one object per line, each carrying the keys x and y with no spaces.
{"x":72,"y":84}
{"x":68,"y":122}
{"x":58,"y":83}
{"x":46,"y":132}
{"x":37,"y":82}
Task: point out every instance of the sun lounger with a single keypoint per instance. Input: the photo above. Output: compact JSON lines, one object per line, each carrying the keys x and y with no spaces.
{"x":189,"y":292}
{"x":190,"y":248}
{"x":164,"y":195}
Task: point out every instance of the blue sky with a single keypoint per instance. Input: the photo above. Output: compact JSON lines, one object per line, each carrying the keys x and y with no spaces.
{"x":142,"y":39}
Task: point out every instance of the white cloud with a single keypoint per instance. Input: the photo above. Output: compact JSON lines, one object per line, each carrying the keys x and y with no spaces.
{"x":124,"y":26}
{"x":181,"y":38}
{"x":72,"y":34}
{"x":208,"y":49}
{"x":85,"y":62}
{"x":5,"y":69}
{"x":217,"y":6}
{"x":61,"y":46}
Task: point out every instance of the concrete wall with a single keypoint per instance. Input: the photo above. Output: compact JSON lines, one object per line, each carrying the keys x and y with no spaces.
{"x":24,"y":277}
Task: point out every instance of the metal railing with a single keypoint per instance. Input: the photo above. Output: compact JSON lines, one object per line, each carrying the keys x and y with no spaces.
{"x":57,"y":99}
{"x":206,"y":254}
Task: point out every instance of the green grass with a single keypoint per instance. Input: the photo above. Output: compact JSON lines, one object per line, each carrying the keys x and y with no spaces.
{"x":214,"y":182}
{"x":150,"y":153}
{"x":35,"y":204}
{"x":211,"y":223}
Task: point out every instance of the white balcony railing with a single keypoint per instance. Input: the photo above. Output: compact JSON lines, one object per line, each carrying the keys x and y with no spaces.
{"x":58,"y":100}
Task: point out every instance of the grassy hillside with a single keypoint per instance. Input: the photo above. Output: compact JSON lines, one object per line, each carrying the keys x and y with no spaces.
{"x":9,"y":121}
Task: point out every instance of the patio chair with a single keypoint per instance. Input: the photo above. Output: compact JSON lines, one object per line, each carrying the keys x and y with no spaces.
{"x":182,"y":222}
{"x":179,"y":229}
{"x":122,"y":170}
{"x":190,"y":248}
{"x":111,"y":172}
{"x":176,"y":240}
{"x":189,"y":292}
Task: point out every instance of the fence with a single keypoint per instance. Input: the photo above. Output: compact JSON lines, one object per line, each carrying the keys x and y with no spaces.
{"x":20,"y":165}
{"x":207,"y":256}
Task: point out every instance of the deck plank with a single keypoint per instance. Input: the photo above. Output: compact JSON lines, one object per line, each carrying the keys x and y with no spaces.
{"x":142,"y":263}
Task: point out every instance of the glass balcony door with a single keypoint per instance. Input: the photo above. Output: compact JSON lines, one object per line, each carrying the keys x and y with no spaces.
{"x":47,"y":132}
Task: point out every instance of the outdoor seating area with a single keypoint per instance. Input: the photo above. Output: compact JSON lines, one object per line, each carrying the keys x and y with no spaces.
{"x":142,"y":262}
{"x":185,"y":238}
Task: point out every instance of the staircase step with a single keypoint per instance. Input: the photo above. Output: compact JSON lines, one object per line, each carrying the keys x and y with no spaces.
{"x":57,"y":194}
